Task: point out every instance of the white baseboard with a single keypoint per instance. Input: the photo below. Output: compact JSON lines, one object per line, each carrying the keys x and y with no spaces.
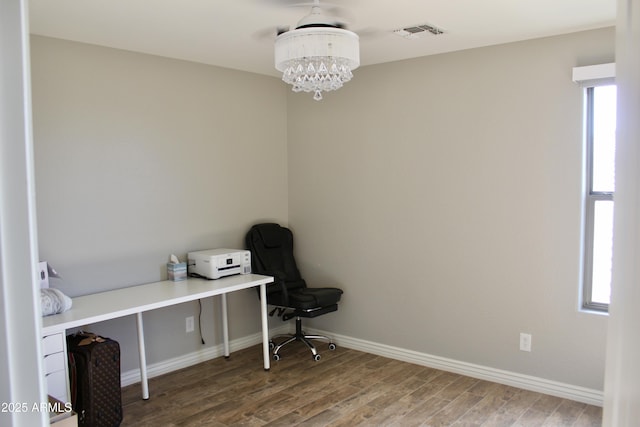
{"x":527,"y":382}
{"x":190,"y":359}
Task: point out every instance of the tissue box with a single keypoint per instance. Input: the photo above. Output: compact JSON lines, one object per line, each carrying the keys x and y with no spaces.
{"x":177,"y":272}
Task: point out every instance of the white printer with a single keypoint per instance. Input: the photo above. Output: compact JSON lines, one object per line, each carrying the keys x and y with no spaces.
{"x":217,"y":263}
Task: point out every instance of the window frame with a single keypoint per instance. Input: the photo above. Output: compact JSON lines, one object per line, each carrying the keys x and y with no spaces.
{"x":591,"y":197}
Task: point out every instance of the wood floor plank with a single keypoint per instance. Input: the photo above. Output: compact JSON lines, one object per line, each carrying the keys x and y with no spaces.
{"x":428,"y":390}
{"x":455,"y":410}
{"x":456,"y":388}
{"x":356,"y":417}
{"x":395,"y":412}
{"x":345,"y":388}
{"x":531,"y":418}
{"x":513,"y":409}
{"x":478,"y":414}
{"x":590,"y":417}
{"x":567,"y":413}
{"x":318,"y":405}
{"x":423,"y":412}
{"x":359,"y":401}
{"x":546,"y":404}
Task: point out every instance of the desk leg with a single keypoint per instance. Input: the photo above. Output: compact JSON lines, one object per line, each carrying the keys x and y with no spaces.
{"x":225,"y":325}
{"x":266,"y":354}
{"x":143,"y":358}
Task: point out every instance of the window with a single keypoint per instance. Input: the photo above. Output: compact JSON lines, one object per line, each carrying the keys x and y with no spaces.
{"x":600,"y":189}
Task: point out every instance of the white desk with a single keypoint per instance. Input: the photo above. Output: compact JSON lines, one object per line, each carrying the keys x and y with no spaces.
{"x":108,"y":305}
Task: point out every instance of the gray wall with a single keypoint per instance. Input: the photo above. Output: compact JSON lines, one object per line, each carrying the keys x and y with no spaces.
{"x":138,"y":157}
{"x":444,"y":195}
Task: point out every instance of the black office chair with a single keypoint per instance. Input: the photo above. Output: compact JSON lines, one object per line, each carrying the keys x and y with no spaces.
{"x":271,"y":249}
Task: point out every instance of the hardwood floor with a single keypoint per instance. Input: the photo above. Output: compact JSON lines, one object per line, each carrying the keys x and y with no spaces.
{"x":345,"y":388}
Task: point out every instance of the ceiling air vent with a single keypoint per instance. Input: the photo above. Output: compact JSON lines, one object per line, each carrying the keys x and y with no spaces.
{"x":413,"y":32}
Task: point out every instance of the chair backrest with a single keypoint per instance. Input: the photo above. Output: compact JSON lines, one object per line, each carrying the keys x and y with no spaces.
{"x":271,"y":249}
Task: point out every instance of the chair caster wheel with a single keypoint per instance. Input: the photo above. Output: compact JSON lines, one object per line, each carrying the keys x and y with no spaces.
{"x":276,"y":357}
{"x":272,"y":345}
{"x":316,"y":357}
{"x":332,"y":346}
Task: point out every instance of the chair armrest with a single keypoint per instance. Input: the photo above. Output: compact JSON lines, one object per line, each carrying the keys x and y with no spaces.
{"x":278,"y":281}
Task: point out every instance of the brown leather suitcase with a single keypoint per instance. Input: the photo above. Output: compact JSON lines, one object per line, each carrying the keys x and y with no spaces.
{"x":94,"y":378}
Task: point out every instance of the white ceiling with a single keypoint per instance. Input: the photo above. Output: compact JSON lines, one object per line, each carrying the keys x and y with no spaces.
{"x":234,"y":33}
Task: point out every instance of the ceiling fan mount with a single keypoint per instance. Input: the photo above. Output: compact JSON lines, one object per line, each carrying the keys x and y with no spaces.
{"x":320,"y":15}
{"x":318,"y":18}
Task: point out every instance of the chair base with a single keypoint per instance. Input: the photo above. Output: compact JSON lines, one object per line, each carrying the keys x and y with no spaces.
{"x":300,"y":336}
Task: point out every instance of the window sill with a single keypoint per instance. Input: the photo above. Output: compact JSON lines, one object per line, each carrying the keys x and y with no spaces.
{"x":592,"y":311}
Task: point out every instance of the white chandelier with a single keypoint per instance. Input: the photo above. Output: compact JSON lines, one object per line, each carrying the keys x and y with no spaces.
{"x":317,"y":56}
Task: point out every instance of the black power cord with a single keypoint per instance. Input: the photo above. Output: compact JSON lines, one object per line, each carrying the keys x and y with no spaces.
{"x":200,"y":320}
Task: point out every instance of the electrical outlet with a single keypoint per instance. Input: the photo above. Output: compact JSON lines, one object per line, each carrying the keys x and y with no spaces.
{"x":189,"y":323}
{"x":525,"y":342}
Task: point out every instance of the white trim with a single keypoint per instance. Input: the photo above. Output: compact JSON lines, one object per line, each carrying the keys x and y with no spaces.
{"x":193,"y":358}
{"x":622,"y":371}
{"x":594,"y":74}
{"x":21,"y":357}
{"x":527,"y":382}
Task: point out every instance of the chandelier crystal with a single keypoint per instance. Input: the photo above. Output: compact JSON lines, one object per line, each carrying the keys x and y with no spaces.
{"x":317,"y":59}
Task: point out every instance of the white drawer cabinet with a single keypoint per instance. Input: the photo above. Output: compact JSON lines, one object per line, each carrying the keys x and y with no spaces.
{"x":55,"y":366}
